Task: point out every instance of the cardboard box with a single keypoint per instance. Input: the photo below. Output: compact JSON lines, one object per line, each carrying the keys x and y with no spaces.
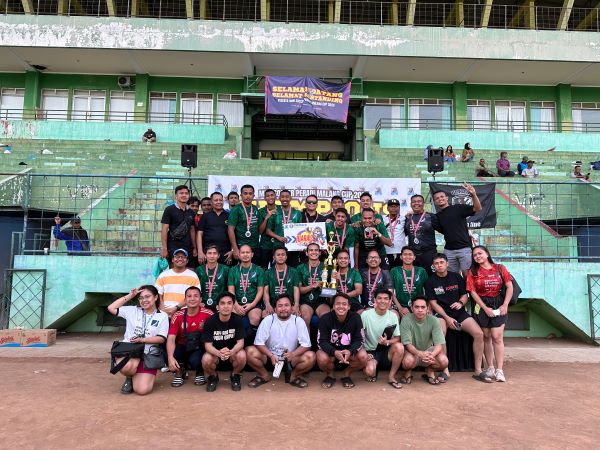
{"x":38,"y":338}
{"x":10,"y":338}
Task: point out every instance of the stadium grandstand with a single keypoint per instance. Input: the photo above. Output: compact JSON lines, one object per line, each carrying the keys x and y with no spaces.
{"x":82,"y":80}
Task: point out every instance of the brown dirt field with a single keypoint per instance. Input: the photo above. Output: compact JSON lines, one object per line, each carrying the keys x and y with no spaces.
{"x":75,"y":403}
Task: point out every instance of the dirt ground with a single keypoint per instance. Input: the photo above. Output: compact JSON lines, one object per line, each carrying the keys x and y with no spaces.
{"x":75,"y":403}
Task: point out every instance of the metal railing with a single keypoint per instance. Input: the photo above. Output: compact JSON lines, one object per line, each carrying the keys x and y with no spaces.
{"x":367,"y":12}
{"x":255,"y":84}
{"x":113,"y":116}
{"x":485,"y":125}
{"x":536,"y":220}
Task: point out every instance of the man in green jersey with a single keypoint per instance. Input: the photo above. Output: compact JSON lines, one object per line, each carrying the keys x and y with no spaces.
{"x":213,"y":277}
{"x":274,"y":229}
{"x":343,"y":233}
{"x":265,"y":247}
{"x":349,"y":280}
{"x":370,"y":236}
{"x":310,"y":285}
{"x":243,"y":223}
{"x":408,"y":281}
{"x":246,"y":282}
{"x":281,"y":279}
{"x":366,"y":202}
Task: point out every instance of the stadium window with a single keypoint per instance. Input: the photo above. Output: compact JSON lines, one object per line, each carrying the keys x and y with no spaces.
{"x":89,"y":105}
{"x":11,"y":103}
{"x":55,"y":104}
{"x":510,"y":116}
{"x":196,"y":108}
{"x":430,"y":114}
{"x":586,"y":117}
{"x":479,"y":114}
{"x":391,"y":109}
{"x":231,"y":106}
{"x":122,"y":106}
{"x":163,"y":106}
{"x":543,"y":116}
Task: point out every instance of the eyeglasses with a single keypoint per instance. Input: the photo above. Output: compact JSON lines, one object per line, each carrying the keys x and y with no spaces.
{"x":179,"y":257}
{"x":311,"y":202}
{"x":373,"y":257}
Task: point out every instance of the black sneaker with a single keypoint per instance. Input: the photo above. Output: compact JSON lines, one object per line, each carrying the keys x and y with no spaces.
{"x":236,"y":382}
{"x":127,"y":387}
{"x":213,"y":381}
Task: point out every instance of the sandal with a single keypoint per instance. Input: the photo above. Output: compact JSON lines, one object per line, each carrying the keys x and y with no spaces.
{"x":442,"y":377}
{"x":347,"y":382}
{"x":371,"y":379}
{"x":236,"y":382}
{"x":257,"y":381}
{"x":406,"y":380}
{"x":177,"y":381}
{"x":431,"y":380}
{"x":328,"y":382}
{"x":299,"y":383}
{"x":200,"y":380}
{"x":482,"y":376}
{"x":395,"y":384}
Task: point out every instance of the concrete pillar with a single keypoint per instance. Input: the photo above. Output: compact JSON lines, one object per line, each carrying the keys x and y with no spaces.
{"x":459,"y":104}
{"x":142,"y":93}
{"x":564,"y":113}
{"x":31,"y":102}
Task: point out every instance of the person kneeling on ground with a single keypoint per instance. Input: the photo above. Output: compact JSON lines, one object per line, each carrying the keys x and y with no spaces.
{"x":340,"y":343}
{"x":184,"y":343}
{"x":145,"y":324}
{"x":281,"y":337}
{"x":223,"y":338}
{"x":422,"y":337}
{"x":382,"y":339}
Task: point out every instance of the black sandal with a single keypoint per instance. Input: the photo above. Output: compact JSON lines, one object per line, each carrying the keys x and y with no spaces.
{"x":299,"y":383}
{"x":347,"y":382}
{"x":257,"y":381}
{"x":328,"y":382}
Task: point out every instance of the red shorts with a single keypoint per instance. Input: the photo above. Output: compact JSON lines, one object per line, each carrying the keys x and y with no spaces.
{"x":142,"y":369}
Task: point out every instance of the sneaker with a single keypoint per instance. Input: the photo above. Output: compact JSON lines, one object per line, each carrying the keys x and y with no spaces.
{"x":236,"y":382}
{"x":200,"y":380}
{"x":213,"y":381}
{"x":500,"y":375}
{"x":490,"y":372}
{"x":127,"y":387}
{"x":164,"y":369}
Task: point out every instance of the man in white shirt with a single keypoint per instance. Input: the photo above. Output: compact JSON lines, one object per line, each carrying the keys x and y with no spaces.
{"x":530,"y":171}
{"x":281,"y":337}
{"x":395,"y":225}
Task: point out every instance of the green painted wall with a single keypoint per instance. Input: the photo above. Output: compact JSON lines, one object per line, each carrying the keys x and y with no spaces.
{"x":116,"y":131}
{"x":490,"y":140}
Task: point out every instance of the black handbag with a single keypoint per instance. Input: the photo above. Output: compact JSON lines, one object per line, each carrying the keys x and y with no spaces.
{"x":125,"y":350}
{"x":516,"y":289}
{"x":155,"y":358}
{"x":193,"y":340}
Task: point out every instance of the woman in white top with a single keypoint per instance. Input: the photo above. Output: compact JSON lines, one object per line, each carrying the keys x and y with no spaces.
{"x":145,"y":324}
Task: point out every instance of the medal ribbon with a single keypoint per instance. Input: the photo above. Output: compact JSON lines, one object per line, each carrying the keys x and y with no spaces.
{"x":392,"y":227}
{"x":343,"y":286}
{"x":409,"y":286}
{"x":211,"y":281}
{"x":248,"y":219}
{"x":372,"y":288}
{"x":245,"y":282}
{"x":285,"y":219}
{"x":280,"y":282}
{"x":417,"y":225}
{"x":337,"y":236}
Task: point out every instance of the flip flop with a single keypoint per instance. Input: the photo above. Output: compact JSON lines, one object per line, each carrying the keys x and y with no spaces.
{"x":406,"y":380}
{"x":395,"y":384}
{"x":328,"y":382}
{"x":299,"y":383}
{"x":431,"y":380}
{"x":371,"y":379}
{"x":347,"y":382}
{"x":257,"y":381}
{"x":483,"y":378}
{"x":442,"y":377}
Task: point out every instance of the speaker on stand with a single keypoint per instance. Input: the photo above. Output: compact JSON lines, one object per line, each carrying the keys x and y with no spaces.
{"x":189,"y":160}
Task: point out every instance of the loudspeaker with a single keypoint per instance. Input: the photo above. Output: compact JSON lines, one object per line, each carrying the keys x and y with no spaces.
{"x":435,"y":160}
{"x":189,"y":154}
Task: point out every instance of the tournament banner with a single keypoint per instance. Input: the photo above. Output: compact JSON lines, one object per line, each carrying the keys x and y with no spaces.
{"x":306,"y":95}
{"x":299,"y":235}
{"x":458,"y":195}
{"x":381,"y":189}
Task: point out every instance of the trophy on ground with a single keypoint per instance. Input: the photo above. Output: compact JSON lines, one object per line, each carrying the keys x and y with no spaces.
{"x":328,"y":290}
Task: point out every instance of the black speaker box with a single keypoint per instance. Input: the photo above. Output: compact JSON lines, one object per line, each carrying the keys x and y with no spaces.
{"x":435,"y":160}
{"x":189,"y":154}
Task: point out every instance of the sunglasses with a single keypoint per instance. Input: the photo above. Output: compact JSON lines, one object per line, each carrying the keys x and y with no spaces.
{"x":311,"y":202}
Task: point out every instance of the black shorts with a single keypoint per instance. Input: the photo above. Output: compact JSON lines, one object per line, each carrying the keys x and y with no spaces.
{"x":459,"y":315}
{"x":381,"y":356}
{"x":490,"y":322}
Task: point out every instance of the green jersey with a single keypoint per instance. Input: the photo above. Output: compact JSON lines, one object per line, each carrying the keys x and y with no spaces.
{"x":374,"y":326}
{"x":265,"y":240}
{"x":357,"y":217}
{"x":282,"y":217}
{"x":239,"y":217}
{"x":415,"y":278}
{"x":341,"y":236}
{"x":246,"y":281}
{"x":281,"y":282}
{"x":306,"y":275}
{"x":347,"y":283}
{"x":213,"y":282}
{"x":371,"y":241}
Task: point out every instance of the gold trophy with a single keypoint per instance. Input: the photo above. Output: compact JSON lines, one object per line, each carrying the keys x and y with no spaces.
{"x":329,"y":290}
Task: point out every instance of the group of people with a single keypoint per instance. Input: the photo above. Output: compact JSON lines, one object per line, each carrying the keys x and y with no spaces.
{"x":450,"y":157}
{"x":251,"y":302}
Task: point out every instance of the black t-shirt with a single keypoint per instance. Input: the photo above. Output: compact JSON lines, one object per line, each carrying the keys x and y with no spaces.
{"x":149,"y":134}
{"x":454,"y":226}
{"x":214,"y":230}
{"x":425,"y":233}
{"x":176,"y":237}
{"x":335,"y":335}
{"x":308,"y":219}
{"x":223,"y":334}
{"x":370,"y":285}
{"x":446,"y":290}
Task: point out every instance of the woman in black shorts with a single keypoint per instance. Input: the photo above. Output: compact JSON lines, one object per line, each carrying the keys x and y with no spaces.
{"x":484,"y":282}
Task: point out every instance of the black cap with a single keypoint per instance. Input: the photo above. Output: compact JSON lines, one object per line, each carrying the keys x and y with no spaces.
{"x":393,"y":201}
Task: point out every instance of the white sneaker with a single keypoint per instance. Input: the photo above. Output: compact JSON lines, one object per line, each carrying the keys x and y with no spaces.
{"x":164,"y":369}
{"x":500,"y":375}
{"x":490,"y":372}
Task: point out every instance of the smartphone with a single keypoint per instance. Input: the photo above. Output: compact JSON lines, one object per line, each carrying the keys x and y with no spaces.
{"x":496,"y":312}
{"x":457,"y":324}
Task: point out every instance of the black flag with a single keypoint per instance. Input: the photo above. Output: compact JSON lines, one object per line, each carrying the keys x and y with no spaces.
{"x":458,"y":195}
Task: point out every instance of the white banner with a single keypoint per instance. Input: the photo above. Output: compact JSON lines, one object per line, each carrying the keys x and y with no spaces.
{"x":299,"y":235}
{"x":382,"y":190}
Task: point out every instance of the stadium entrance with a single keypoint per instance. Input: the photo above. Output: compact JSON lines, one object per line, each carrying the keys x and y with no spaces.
{"x":302,"y":138}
